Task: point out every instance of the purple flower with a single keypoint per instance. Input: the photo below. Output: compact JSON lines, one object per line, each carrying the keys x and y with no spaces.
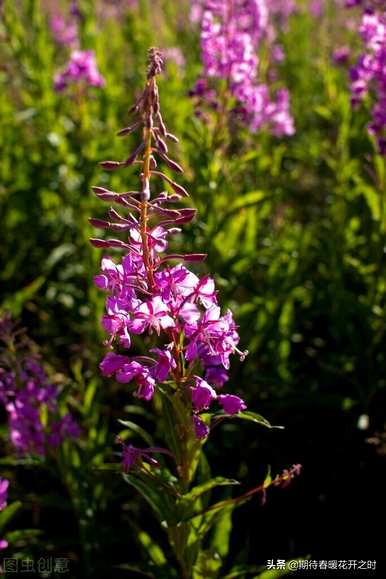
{"x":200,"y":428}
{"x":146,"y":295}
{"x":82,"y":67}
{"x":205,"y":292}
{"x":4,"y":484}
{"x":316,"y":8}
{"x":174,"y":54}
{"x":231,"y":404}
{"x":176,"y":284}
{"x":282,"y":10}
{"x":150,"y":315}
{"x":217,"y":375}
{"x":132,"y":456}
{"x":64,"y":428}
{"x":231,"y":34}
{"x":368,"y":76}
{"x":164,"y":365}
{"x":64,"y":31}
{"x":112,"y":362}
{"x":25,"y":392}
{"x":202,"y":394}
{"x":341,"y":55}
{"x":142,"y":377}
{"x":216,"y":333}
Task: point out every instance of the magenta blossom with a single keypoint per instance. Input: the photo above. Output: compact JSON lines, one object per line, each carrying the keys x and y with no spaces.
{"x":217,"y":375}
{"x":200,"y":428}
{"x":142,"y":377}
{"x":111,"y":363}
{"x":81,"y":68}
{"x":341,"y":55}
{"x":30,"y":401}
{"x":368,"y":76}
{"x":202,"y":394}
{"x":173,"y":308}
{"x":64,"y":31}
{"x":231,"y":404}
{"x":150,"y":315}
{"x":232,"y":32}
{"x":165,"y":363}
{"x":4,"y":484}
{"x":132,"y":456}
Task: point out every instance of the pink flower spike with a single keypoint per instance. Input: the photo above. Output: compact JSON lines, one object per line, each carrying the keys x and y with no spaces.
{"x":4,"y":484}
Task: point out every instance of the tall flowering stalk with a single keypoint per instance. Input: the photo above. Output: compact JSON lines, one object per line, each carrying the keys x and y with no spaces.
{"x":369,"y":74}
{"x":4,"y":484}
{"x":81,"y":69}
{"x":30,"y":401}
{"x":152,"y":292}
{"x":232,"y":32}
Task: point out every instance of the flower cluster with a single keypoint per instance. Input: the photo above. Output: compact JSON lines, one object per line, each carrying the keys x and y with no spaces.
{"x":341,"y":55}
{"x":369,"y":74}
{"x":29,"y":400}
{"x":149,"y":295}
{"x":367,"y":4}
{"x":282,"y":10}
{"x":64,"y":30}
{"x":81,"y":68}
{"x":4,"y":484}
{"x":231,"y":34}
{"x":114,"y":9}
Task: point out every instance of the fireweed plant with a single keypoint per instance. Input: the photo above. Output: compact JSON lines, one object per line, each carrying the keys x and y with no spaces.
{"x":31,"y":402}
{"x":238,"y":41}
{"x":368,"y":76}
{"x":151,"y":292}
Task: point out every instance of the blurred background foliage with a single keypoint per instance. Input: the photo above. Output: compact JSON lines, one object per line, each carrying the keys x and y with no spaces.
{"x":294,"y":229}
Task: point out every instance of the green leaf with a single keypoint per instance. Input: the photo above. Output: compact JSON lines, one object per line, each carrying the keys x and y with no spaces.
{"x":372,"y":198}
{"x":151,"y":547}
{"x":89,"y":397}
{"x":222,"y":534}
{"x":23,"y":535}
{"x":162,"y":572}
{"x":16,"y":302}
{"x":191,"y":503}
{"x":248,"y":200}
{"x":207,"y":486}
{"x":139,"y":410}
{"x":135,"y":569}
{"x":247,"y":415}
{"x":59,"y":253}
{"x":147,"y":493}
{"x":170,"y":427}
{"x":8,"y":513}
{"x":268,"y":478}
{"x":159,"y":494}
{"x":240,"y":571}
{"x":207,"y":566}
{"x":203,"y":522}
{"x":113,"y":466}
{"x":138,"y":430}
